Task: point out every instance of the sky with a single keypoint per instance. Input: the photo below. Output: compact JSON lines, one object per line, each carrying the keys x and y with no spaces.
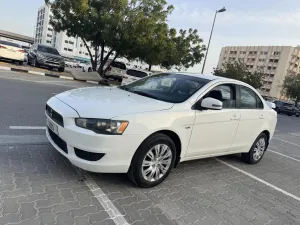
{"x":255,"y":22}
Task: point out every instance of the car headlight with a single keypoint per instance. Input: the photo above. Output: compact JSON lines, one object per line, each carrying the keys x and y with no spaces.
{"x":102,"y":126}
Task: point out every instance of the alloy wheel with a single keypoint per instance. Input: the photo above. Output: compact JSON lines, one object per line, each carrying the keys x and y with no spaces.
{"x":259,"y":149}
{"x":157,"y":162}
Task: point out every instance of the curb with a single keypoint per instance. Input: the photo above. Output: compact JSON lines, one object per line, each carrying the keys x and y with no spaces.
{"x":52,"y":75}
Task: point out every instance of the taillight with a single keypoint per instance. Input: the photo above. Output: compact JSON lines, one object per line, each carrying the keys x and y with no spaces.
{"x":2,"y":46}
{"x":21,"y":51}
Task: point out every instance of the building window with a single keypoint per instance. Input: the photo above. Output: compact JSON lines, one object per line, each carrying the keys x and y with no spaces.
{"x":272,"y":75}
{"x":80,"y":45}
{"x":276,"y":60}
{"x":274,"y":68}
{"x":49,"y":35}
{"x":70,"y":50}
{"x":269,"y":67}
{"x":233,"y":52}
{"x":269,"y":82}
{"x":261,"y":60}
{"x":49,"y":42}
{"x":275,"y":53}
{"x":79,"y":52}
{"x":71,"y":42}
{"x":65,"y":49}
{"x":66,"y":41}
{"x":50,"y":29}
{"x":267,"y":90}
{"x":86,"y":54}
{"x":251,"y":66}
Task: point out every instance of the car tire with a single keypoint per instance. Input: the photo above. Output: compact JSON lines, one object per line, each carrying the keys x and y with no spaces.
{"x":297,"y":115}
{"x":257,"y":150}
{"x":120,"y":80}
{"x":167,"y":149}
{"x":61,"y":69}
{"x":20,"y":63}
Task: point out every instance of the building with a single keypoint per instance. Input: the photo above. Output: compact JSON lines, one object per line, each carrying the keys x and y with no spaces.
{"x":275,"y":61}
{"x":71,"y":47}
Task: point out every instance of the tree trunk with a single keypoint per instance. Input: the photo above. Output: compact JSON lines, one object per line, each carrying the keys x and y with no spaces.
{"x":116,"y":56}
{"x":102,"y":64}
{"x":94,"y":64}
{"x":150,"y":66}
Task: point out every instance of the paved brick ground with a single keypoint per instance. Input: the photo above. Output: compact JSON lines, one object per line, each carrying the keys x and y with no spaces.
{"x":39,"y":186}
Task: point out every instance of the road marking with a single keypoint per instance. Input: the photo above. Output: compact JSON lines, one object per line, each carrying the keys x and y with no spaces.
{"x":27,"y":128}
{"x":289,"y":157}
{"x":109,"y":207}
{"x":36,"y":73}
{"x":286,"y":141}
{"x":295,"y":134}
{"x":260,"y":180}
{"x":92,"y":82}
{"x":23,"y":139}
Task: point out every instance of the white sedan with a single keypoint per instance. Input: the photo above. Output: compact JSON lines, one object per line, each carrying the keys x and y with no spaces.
{"x":12,"y":51}
{"x":147,"y":127}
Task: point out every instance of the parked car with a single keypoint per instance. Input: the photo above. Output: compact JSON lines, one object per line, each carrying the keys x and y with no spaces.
{"x":147,"y":127}
{"x":12,"y":51}
{"x":134,"y":75}
{"x":286,"y":108}
{"x":26,"y":55}
{"x":45,"y":55}
{"x":71,"y":64}
{"x":115,"y":71}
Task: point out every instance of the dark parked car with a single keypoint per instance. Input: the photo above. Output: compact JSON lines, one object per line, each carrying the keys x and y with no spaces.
{"x":44,"y":55}
{"x":287,"y":108}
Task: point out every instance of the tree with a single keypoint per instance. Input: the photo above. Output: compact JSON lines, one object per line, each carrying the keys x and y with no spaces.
{"x":183,"y":50}
{"x":238,"y":70}
{"x":120,"y":25}
{"x":291,"y":87}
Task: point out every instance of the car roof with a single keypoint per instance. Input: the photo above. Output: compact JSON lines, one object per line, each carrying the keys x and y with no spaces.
{"x":140,"y":70}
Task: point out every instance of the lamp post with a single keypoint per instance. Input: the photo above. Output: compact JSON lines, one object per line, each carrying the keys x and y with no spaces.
{"x":212,"y":29}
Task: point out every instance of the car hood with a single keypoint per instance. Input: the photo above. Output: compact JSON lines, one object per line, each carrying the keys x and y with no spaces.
{"x":106,"y":103}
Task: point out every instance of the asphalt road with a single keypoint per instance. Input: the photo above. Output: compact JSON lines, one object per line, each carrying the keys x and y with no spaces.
{"x":39,"y":186}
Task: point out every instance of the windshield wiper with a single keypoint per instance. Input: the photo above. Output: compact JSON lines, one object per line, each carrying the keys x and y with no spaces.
{"x":145,"y":94}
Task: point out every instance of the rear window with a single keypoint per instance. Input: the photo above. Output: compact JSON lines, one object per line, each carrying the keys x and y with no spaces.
{"x":119,"y":65}
{"x":10,"y":44}
{"x":46,"y":49}
{"x":136,"y":73}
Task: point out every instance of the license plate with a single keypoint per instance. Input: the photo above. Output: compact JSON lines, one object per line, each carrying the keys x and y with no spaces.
{"x":52,"y":126}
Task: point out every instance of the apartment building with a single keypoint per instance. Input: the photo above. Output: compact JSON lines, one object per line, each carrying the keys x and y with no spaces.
{"x":72,"y":47}
{"x":275,"y":61}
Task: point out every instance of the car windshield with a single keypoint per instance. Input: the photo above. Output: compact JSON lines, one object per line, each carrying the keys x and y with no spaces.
{"x":47,"y":50}
{"x":174,"y":88}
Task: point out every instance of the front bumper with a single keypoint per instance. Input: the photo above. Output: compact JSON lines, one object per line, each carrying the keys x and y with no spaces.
{"x":48,"y":63}
{"x":118,"y":150}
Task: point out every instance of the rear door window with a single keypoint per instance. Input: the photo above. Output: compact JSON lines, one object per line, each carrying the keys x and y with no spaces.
{"x":249,"y":99}
{"x":136,"y":73}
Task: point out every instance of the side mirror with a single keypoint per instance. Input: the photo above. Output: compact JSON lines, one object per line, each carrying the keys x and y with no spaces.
{"x":271,"y":105}
{"x":211,"y":103}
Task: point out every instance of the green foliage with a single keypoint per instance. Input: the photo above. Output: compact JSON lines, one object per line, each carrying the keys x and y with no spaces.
{"x":237,"y":70}
{"x":184,"y":50}
{"x":134,"y":29}
{"x":291,"y":86}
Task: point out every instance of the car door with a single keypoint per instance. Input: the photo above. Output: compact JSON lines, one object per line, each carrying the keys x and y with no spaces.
{"x":214,"y":130}
{"x":252,"y":118}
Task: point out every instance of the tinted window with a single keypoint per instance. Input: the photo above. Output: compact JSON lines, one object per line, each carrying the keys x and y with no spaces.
{"x":46,"y":49}
{"x":249,"y":99}
{"x":119,"y":65}
{"x":10,"y":44}
{"x":174,"y":88}
{"x":136,"y":73}
{"x":228,"y":95}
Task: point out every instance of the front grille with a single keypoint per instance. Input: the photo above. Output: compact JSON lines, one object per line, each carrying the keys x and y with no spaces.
{"x":55,"y":116}
{"x":89,"y":156}
{"x":52,"y":59}
{"x":58,"y":141}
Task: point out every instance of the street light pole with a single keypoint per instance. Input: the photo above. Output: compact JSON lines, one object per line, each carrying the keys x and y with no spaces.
{"x":212,"y":29}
